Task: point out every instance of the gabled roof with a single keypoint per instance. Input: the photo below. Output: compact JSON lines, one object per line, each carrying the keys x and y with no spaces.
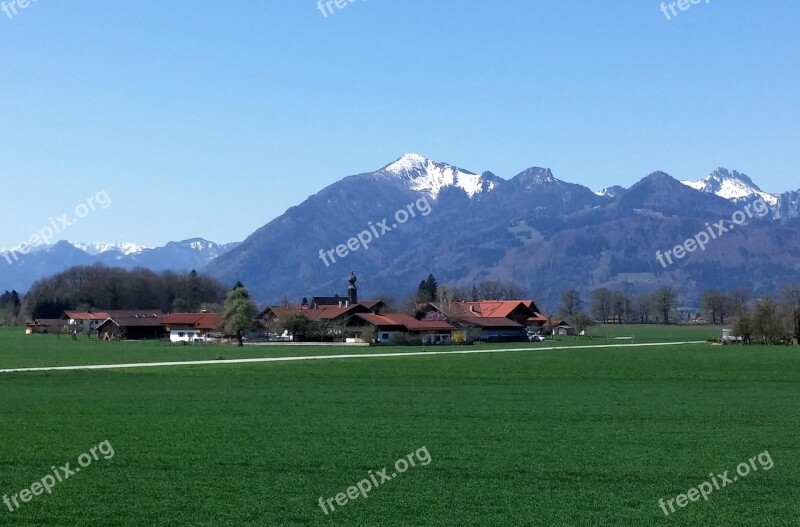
{"x":279,"y":312}
{"x":497,"y":308}
{"x":373,"y":305}
{"x":111,"y":313}
{"x":136,"y":313}
{"x":84,"y":315}
{"x":322,"y":313}
{"x":335,"y":300}
{"x":195,"y":320}
{"x":332,"y":312}
{"x":378,"y":320}
{"x":487,"y":308}
{"x":135,"y":321}
{"x":538,"y":317}
{"x":406,"y":321}
{"x":49,"y":322}
{"x":490,"y":322}
{"x":424,"y":325}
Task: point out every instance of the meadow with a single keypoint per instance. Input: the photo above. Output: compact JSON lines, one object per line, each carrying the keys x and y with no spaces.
{"x":559,"y":437}
{"x":18,"y":350}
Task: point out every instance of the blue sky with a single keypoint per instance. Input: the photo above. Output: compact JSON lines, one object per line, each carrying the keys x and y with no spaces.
{"x":210,"y":119}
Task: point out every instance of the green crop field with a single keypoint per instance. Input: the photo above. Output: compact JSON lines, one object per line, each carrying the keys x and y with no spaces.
{"x":563,"y":437}
{"x":18,"y":350}
{"x":655,"y":333}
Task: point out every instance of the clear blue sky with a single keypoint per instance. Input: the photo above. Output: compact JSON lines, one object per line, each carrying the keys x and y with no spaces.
{"x":212,"y":118}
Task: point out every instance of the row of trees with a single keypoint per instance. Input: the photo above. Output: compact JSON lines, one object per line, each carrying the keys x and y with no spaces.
{"x":615,"y":306}
{"x":717,"y":306}
{"x":607,"y":306}
{"x":773,"y":319}
{"x":10,"y":308}
{"x":98,"y":286}
{"x":429,"y":290}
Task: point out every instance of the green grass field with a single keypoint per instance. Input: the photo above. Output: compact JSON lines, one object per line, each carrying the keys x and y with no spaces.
{"x":18,"y":350}
{"x":565,"y":437}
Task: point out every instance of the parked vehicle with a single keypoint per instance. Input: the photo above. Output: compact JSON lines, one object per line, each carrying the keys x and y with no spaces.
{"x":535,"y":337}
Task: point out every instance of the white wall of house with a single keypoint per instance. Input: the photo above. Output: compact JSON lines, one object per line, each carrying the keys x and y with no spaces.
{"x":187,"y":335}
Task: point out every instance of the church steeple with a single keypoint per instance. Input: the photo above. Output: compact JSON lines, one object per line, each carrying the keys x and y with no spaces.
{"x":352,"y":290}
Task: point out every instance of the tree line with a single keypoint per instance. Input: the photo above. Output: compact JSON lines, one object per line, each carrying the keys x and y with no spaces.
{"x":10,"y":308}
{"x":622,"y":306}
{"x":772,"y":319}
{"x":429,"y":290}
{"x":101,"y":287}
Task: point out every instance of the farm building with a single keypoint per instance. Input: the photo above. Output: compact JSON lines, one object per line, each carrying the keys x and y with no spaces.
{"x":496,"y":320}
{"x":45,"y":325}
{"x":392,"y":327}
{"x":193,"y":327}
{"x":132,"y":327}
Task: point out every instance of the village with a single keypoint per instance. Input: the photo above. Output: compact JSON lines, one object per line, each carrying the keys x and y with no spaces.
{"x":342,"y":319}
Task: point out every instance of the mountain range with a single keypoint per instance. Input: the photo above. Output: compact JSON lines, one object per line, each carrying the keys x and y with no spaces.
{"x":543,"y":233}
{"x":18,"y":271}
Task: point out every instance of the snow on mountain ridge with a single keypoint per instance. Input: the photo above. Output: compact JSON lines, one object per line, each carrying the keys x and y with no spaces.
{"x":95,"y":248}
{"x":613,"y":191}
{"x":425,"y":175}
{"x":732,"y":186}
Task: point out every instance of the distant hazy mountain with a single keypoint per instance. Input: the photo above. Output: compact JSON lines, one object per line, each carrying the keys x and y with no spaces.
{"x":534,"y":229}
{"x":21,"y":271}
{"x":185,"y":255}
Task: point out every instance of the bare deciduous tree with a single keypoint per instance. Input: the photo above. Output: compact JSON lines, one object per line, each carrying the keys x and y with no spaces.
{"x":571,"y":303}
{"x":601,"y":304}
{"x":664,"y":301}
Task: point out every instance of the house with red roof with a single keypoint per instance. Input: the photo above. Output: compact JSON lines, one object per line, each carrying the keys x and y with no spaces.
{"x":390,"y":328}
{"x":193,"y":327}
{"x":132,"y":327}
{"x":496,"y":320}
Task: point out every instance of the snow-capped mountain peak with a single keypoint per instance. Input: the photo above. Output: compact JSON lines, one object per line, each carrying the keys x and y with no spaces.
{"x":425,"y":175}
{"x":210,"y":249}
{"x":611,"y":192}
{"x":200,"y":246}
{"x":731,"y":185}
{"x":407,"y":163}
{"x":96,"y":248}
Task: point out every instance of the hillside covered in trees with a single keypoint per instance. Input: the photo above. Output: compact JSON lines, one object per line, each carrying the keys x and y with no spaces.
{"x":102,"y":287}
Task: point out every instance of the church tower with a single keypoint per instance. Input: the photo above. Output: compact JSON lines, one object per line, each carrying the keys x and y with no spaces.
{"x":352,"y":290}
